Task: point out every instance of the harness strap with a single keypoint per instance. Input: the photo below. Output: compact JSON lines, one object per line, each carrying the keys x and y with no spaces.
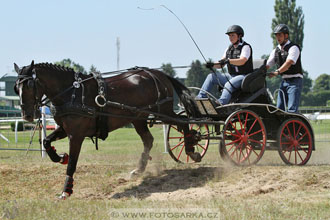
{"x":100,"y":99}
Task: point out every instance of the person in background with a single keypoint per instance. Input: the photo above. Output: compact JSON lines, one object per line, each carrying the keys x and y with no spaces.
{"x":287,"y":58}
{"x":238,"y":58}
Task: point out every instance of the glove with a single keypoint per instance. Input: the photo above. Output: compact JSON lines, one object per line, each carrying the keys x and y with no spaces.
{"x":209,"y":65}
{"x":224,"y":61}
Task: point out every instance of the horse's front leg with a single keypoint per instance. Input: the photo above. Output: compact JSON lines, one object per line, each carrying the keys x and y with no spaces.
{"x":190,"y":141}
{"x":58,"y":134}
{"x":75,"y":146}
{"x":142,"y":129}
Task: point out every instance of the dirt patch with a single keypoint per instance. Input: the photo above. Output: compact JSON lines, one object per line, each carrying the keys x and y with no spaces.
{"x":99,"y":182}
{"x":209,"y":182}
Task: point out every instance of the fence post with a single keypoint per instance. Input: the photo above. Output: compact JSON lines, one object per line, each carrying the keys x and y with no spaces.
{"x":43,"y":131}
{"x":165,"y":129}
{"x":16,"y":125}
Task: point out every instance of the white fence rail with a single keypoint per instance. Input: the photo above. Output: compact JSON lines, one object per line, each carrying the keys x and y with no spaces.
{"x":12,"y":138}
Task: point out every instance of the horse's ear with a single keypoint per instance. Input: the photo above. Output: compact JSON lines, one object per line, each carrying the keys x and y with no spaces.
{"x":32,"y":64}
{"x":17,"y":69}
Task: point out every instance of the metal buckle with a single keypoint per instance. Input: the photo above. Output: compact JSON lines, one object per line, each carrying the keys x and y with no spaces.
{"x":103,"y":100}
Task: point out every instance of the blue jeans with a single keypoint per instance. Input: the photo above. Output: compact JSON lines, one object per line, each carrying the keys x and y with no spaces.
{"x":292,"y":91}
{"x":222,"y":78}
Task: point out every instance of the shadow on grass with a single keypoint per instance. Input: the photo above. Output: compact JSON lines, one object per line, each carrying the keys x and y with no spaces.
{"x":170,"y":181}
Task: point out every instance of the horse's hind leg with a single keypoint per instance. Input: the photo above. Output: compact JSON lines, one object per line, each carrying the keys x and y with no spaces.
{"x":142,"y":129}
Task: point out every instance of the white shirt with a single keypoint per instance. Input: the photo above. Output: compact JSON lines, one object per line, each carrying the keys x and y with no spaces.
{"x":245,"y":52}
{"x":293,"y":54}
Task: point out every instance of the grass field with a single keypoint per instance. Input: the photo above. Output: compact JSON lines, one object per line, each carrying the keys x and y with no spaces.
{"x":269,"y":190}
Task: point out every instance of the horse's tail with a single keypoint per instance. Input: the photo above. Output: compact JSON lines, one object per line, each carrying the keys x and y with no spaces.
{"x":185,"y":97}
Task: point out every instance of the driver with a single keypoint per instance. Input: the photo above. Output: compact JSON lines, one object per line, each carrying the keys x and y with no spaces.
{"x":238,"y":58}
{"x":286,"y":56}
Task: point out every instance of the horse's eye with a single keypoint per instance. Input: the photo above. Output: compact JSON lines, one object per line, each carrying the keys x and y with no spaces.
{"x":30,"y":84}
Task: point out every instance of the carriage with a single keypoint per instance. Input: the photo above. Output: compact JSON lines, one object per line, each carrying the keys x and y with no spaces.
{"x":247,"y":127}
{"x":91,"y":106}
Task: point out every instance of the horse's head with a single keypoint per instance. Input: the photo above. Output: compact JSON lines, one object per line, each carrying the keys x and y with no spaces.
{"x":30,"y":95}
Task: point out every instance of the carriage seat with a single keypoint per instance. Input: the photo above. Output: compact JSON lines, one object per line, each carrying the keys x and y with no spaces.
{"x":253,"y":87}
{"x":254,"y":81}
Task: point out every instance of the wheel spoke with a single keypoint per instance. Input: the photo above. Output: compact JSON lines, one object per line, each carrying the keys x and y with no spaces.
{"x":289,"y":148}
{"x":255,"y":141}
{"x":286,"y":135}
{"x":240,"y":123}
{"x":294,"y":129}
{"x":246,"y":119}
{"x":299,"y":155}
{"x":201,"y":146}
{"x":248,"y":156}
{"x":302,"y":137}
{"x":177,"y":145}
{"x":252,"y":126}
{"x":290,"y":155}
{"x":180,"y":152}
{"x":232,"y":134}
{"x":240,"y":153}
{"x":302,"y":149}
{"x":289,"y":132}
{"x":257,"y":132}
{"x":235,"y":150}
{"x":295,"y":137}
{"x":177,"y":130}
{"x":234,"y":127}
{"x":233,"y":142}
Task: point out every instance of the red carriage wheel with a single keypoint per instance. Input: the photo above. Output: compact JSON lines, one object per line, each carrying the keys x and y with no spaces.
{"x":295,"y":143}
{"x":244,"y":138}
{"x":176,"y":145}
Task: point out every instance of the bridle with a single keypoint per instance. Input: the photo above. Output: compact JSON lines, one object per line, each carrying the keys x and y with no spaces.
{"x":31,"y":83}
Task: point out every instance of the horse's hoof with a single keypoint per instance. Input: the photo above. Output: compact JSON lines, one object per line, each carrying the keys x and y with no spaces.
{"x":64,"y":158}
{"x":64,"y":196}
{"x":134,"y":173}
{"x":196,"y":157}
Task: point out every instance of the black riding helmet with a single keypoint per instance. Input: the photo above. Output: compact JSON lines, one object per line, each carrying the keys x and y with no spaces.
{"x":235,"y":29}
{"x":281,"y":28}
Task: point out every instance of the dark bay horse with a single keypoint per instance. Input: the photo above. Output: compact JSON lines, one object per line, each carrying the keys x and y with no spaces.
{"x":78,"y":115}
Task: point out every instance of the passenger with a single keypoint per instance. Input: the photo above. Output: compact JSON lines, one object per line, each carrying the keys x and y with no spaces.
{"x":238,"y":58}
{"x":286,"y":56}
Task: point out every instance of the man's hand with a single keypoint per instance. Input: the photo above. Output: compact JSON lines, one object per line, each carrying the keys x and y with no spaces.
{"x":209,"y":65}
{"x":223,"y":62}
{"x":272,"y":74}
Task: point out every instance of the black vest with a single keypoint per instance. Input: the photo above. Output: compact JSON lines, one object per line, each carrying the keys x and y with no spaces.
{"x":280,"y":58}
{"x":234,"y":53}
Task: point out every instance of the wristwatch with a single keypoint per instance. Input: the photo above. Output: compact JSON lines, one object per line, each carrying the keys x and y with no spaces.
{"x":278,"y":72}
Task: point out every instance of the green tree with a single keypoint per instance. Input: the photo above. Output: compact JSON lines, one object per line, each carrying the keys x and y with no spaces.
{"x":319,"y":98}
{"x":322,"y":82}
{"x":168,"y":69}
{"x":69,"y":63}
{"x":287,"y":13}
{"x":196,"y":76}
{"x":93,"y":69}
{"x":307,"y":82}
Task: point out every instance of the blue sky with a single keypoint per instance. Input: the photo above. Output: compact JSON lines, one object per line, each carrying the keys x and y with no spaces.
{"x":86,"y":31}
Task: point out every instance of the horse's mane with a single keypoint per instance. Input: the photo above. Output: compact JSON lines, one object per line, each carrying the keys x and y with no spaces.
{"x":55,"y":67}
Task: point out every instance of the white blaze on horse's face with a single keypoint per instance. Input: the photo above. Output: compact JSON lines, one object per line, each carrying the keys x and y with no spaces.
{"x":25,"y":87}
{"x":27,"y":101}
